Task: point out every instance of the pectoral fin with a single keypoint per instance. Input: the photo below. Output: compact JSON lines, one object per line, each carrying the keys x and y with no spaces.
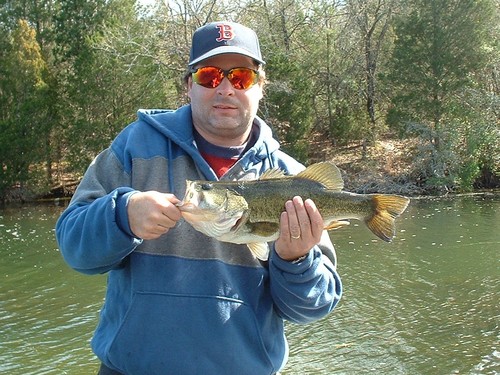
{"x":337,"y":224}
{"x":260,"y":250}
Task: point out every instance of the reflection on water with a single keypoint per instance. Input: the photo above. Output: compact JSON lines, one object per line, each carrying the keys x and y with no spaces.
{"x":425,"y":304}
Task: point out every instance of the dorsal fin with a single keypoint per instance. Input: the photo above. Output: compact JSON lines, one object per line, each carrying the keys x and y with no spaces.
{"x":325,"y":173}
{"x":272,"y":174}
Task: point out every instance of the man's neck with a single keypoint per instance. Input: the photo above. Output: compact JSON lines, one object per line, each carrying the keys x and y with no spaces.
{"x":225,"y":140}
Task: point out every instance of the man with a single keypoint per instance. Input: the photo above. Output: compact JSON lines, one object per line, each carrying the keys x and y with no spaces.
{"x":179,"y":302}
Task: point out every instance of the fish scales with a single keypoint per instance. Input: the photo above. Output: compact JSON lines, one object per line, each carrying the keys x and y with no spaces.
{"x":332,"y":204}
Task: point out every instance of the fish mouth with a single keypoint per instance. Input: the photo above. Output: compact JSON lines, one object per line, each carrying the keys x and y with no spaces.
{"x":186,"y":206}
{"x":193,"y":213}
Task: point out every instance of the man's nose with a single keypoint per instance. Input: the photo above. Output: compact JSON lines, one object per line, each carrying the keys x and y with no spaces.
{"x":225,"y":88}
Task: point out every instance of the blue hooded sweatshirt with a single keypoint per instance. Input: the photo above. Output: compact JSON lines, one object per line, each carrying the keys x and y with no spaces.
{"x":186,"y":303}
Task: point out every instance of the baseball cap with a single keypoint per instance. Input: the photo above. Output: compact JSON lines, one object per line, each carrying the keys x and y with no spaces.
{"x":221,"y":37}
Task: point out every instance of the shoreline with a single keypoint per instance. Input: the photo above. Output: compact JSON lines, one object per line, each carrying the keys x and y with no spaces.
{"x":387,"y":167}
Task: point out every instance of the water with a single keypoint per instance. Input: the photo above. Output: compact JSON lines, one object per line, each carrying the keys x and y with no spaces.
{"x":425,"y":304}
{"x":47,"y":311}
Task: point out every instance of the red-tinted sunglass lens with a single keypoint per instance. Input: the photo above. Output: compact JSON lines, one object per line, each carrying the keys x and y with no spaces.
{"x":208,"y":76}
{"x":242,"y":78}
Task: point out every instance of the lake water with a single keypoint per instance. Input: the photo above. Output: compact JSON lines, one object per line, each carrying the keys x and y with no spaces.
{"x":428,"y":303}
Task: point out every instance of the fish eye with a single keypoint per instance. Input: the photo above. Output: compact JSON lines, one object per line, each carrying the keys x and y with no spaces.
{"x":206,"y":186}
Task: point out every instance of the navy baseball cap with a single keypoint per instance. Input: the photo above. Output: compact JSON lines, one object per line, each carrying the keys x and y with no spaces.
{"x":217,"y":38}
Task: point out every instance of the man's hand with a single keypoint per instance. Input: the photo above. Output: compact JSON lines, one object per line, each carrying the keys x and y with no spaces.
{"x":301,"y":227}
{"x":152,"y":214}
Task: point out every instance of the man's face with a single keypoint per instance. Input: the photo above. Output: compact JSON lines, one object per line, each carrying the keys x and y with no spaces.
{"x":223,"y":115}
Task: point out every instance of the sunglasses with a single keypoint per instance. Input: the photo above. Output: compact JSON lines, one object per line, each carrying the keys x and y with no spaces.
{"x":211,"y":77}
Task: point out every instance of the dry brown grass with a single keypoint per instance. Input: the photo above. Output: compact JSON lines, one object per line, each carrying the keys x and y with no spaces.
{"x":384,"y":168}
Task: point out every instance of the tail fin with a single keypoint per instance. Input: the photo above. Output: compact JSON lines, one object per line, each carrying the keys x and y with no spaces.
{"x":386,"y":209}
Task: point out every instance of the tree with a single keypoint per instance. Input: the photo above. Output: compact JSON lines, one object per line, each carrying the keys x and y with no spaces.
{"x":96,"y":85}
{"x":22,"y":89}
{"x":335,"y":64}
{"x":288,"y":102}
{"x":372,"y":19}
{"x":438,"y":46}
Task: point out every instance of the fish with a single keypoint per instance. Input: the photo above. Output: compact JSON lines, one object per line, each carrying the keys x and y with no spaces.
{"x":248,"y":211}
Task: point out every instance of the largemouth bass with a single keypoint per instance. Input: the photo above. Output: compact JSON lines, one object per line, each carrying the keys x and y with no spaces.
{"x":248,"y":212}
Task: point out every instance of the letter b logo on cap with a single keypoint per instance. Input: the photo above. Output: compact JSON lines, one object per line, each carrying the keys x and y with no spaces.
{"x":225,"y":32}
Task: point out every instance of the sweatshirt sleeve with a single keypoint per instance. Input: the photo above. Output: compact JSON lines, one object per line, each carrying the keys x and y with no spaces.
{"x":93,"y":233}
{"x":307,"y":290}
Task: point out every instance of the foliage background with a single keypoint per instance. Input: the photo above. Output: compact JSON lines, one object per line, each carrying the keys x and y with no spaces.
{"x":73,"y":74}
